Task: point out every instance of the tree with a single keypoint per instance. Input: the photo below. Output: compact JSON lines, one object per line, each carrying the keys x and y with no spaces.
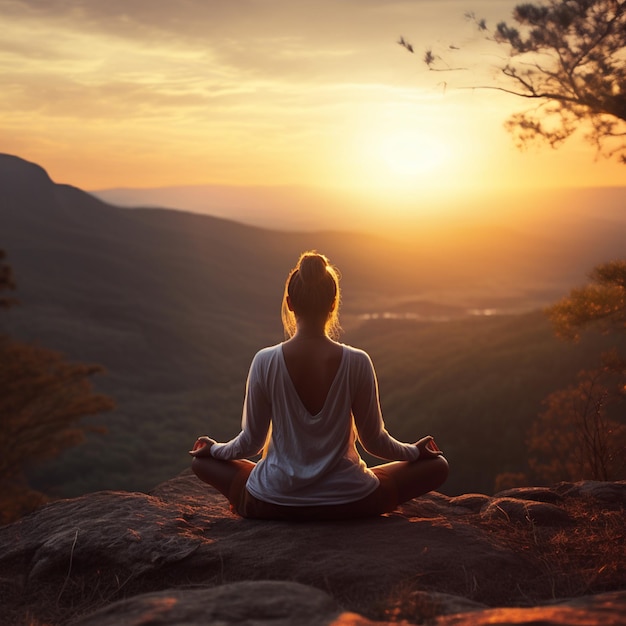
{"x":569,"y":56}
{"x":575,"y":438}
{"x":601,"y":303}
{"x":582,"y":432}
{"x":43,"y":399}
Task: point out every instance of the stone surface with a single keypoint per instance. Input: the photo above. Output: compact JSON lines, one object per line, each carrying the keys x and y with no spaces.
{"x":472,"y":501}
{"x":525,"y":511}
{"x":264,"y":602}
{"x":607,"y":493}
{"x":607,"y":609}
{"x":268,"y":603}
{"x":539,"y":494}
{"x":179,"y":556}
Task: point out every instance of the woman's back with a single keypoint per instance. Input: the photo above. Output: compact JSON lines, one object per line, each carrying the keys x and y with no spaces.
{"x":312,"y":364}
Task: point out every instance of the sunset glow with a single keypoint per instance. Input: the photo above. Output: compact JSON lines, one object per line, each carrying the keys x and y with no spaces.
{"x":315,"y":95}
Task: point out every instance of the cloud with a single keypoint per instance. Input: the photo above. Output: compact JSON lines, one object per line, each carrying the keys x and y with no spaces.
{"x":189,"y":54}
{"x":264,"y":36}
{"x":216,"y":76}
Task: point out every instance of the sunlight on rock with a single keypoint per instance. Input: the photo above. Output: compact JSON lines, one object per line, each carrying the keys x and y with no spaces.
{"x":440,"y":558}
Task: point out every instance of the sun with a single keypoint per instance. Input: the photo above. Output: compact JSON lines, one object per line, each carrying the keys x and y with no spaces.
{"x":399,"y":159}
{"x":402,"y":166}
{"x":406,"y":157}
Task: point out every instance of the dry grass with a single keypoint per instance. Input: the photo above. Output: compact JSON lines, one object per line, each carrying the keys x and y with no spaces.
{"x":586,"y":558}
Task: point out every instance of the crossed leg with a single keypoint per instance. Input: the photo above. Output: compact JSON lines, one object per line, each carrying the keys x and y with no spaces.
{"x":410,"y":480}
{"x":415,"y":478}
{"x":222,"y":474}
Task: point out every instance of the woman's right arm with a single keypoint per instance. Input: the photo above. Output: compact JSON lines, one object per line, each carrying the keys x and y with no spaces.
{"x":255,"y":421}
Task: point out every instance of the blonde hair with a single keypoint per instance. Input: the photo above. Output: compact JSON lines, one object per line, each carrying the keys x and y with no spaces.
{"x":313,"y":290}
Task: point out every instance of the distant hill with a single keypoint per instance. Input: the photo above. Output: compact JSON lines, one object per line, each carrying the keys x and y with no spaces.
{"x":544,"y":240}
{"x":288,"y":207}
{"x":175,"y":304}
{"x":305,"y":208}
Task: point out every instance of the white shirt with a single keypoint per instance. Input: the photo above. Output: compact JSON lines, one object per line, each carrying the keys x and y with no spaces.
{"x":312,"y":459}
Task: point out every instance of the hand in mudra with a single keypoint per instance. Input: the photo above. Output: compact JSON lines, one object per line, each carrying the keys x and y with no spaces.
{"x":202,"y":447}
{"x":428,"y":448}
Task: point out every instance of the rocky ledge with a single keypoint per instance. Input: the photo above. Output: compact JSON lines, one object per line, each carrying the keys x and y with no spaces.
{"x":179,"y":556}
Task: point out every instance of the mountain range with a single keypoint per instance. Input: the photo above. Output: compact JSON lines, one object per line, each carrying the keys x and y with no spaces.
{"x":175,"y":303}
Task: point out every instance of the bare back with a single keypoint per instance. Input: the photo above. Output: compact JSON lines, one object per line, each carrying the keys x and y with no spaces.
{"x":312,"y":364}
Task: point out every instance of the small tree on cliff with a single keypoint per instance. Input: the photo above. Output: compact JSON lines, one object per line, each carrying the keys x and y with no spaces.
{"x":582,"y":432}
{"x":42,"y":401}
{"x":569,"y":58}
{"x":576,"y":437}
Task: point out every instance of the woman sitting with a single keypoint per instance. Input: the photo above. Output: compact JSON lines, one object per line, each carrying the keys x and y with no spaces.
{"x":307,"y":401}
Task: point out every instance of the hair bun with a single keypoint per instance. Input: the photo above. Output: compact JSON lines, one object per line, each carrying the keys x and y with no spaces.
{"x":312,"y":291}
{"x":313,"y":268}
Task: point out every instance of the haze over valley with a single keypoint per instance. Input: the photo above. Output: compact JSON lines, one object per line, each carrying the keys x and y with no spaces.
{"x":174,"y":304}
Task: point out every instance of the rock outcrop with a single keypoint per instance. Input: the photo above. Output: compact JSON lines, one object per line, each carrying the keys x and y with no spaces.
{"x":179,"y":556}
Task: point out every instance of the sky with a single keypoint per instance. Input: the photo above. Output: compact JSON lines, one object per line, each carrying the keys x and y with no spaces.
{"x":312,"y":97}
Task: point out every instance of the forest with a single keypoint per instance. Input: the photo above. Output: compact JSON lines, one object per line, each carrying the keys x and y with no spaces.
{"x":475,"y":384}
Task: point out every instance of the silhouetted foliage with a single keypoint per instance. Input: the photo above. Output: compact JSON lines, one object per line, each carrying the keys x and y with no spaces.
{"x":570,"y":57}
{"x":42,"y":401}
{"x":575,"y":438}
{"x":601,"y":303}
